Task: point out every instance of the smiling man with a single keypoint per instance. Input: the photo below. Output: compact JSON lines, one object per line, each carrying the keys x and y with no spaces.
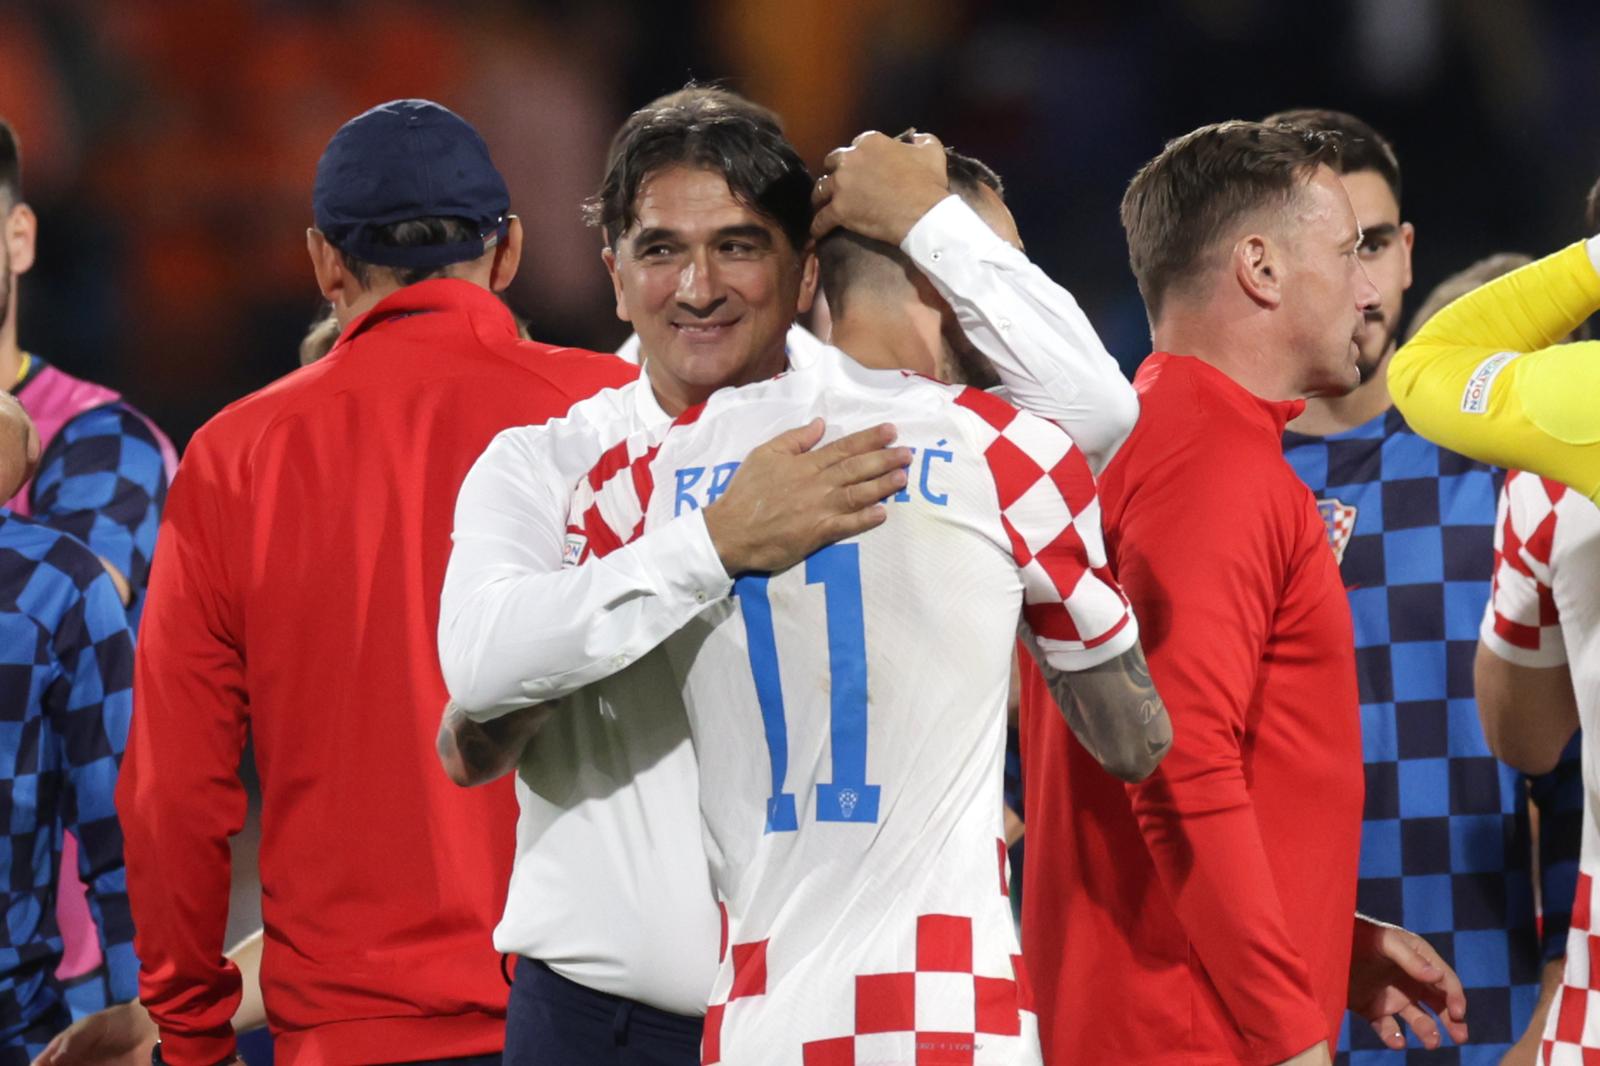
{"x":1445,"y":833}
{"x":706,"y":214}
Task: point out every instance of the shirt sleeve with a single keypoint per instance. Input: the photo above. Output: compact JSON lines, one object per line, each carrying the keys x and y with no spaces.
{"x":1046,"y":353}
{"x":1200,"y":556}
{"x":103,"y":480}
{"x":1075,"y":612}
{"x":1521,"y":623}
{"x":89,"y":720}
{"x":180,"y":797}
{"x":1488,"y":377}
{"x":516,"y":625}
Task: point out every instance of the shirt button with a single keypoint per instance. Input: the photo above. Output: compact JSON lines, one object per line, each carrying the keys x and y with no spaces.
{"x":936,"y":255}
{"x":699,"y":597}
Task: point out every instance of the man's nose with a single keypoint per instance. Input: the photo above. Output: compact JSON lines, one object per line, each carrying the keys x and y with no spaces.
{"x":698,"y":286}
{"x":1367,"y":296}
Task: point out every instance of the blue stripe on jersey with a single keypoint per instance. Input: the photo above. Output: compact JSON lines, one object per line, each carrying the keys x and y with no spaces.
{"x":1445,"y":846}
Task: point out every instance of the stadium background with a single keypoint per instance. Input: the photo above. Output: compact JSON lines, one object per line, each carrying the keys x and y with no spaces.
{"x":169,"y":144}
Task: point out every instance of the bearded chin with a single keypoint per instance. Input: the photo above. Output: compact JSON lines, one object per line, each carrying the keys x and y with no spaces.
{"x":1367,"y":365}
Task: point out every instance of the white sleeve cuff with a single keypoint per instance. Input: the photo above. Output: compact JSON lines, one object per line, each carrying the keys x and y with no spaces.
{"x":684,"y":562}
{"x":1592,"y":245}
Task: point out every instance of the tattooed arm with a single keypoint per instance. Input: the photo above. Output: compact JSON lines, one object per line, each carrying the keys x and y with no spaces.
{"x":475,"y":753}
{"x":1115,"y":712}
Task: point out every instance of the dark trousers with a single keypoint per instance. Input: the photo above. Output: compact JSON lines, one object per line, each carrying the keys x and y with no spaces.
{"x":553,"y":1022}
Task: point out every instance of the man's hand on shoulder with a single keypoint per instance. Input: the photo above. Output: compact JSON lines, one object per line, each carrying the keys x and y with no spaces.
{"x":880,"y":186}
{"x":790,"y":497}
{"x":1394,"y":973}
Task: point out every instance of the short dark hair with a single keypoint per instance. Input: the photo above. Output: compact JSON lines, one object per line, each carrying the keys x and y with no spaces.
{"x":10,"y":164}
{"x":1591,"y":209}
{"x":1360,"y":146}
{"x":412,"y":233}
{"x":715,"y":129}
{"x":1184,"y":200}
{"x":844,"y":258}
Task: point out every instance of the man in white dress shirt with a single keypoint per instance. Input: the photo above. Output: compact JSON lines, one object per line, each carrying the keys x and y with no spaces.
{"x":709,"y":256}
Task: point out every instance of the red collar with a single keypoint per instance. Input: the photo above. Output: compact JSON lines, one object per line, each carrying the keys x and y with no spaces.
{"x":434,"y":295}
{"x":1271,"y":415}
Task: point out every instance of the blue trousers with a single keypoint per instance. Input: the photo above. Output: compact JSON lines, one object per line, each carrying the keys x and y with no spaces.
{"x":552,"y":1021}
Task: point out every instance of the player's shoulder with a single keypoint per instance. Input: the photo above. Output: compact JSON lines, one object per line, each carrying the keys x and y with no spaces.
{"x":27,"y":545}
{"x":590,"y":426}
{"x":575,"y":372}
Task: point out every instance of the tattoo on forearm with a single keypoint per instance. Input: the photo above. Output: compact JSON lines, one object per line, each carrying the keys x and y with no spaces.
{"x":1116,"y":713}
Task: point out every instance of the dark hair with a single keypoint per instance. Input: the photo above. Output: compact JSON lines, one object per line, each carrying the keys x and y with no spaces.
{"x":846,"y":258}
{"x":10,"y":164}
{"x":412,"y":233}
{"x":1185,"y":199}
{"x":1360,"y":146}
{"x":704,"y":126}
{"x":1591,"y":209}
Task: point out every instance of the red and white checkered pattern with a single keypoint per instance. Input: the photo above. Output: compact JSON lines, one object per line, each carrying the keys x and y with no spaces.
{"x":1572,"y":1029}
{"x":1051,"y":515}
{"x":1339,"y":518}
{"x":822,"y":960}
{"x":1522,"y":623}
{"x":940,"y":1013}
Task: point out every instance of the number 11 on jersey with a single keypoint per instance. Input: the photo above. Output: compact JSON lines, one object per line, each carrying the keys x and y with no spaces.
{"x":848,"y":797}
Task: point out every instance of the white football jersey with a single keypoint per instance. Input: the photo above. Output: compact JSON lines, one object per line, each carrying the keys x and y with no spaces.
{"x":849,"y":714}
{"x":1544,"y":610}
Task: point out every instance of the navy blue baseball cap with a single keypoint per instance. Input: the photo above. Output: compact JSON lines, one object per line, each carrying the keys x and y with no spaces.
{"x":403,"y":160}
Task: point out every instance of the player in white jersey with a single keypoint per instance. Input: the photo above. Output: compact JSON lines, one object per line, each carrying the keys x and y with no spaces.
{"x":849,"y":713}
{"x":1537,"y":679}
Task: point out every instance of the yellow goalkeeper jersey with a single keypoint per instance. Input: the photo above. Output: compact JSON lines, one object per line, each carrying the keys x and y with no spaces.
{"x":1487,"y":376}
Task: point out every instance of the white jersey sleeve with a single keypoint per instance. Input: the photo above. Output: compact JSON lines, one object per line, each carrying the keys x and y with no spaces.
{"x":1522,"y":623}
{"x":516,"y":626}
{"x":1041,"y":343}
{"x":1076,"y":613}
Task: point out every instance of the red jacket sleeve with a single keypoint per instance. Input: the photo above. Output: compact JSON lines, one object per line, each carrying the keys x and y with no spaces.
{"x":180,"y":797}
{"x":1203,"y":561}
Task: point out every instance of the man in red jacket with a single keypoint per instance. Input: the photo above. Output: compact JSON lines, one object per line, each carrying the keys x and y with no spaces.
{"x":295,"y":598}
{"x":1209,"y":920}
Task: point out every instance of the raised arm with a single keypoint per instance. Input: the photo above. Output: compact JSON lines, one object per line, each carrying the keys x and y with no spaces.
{"x":1041,"y":344}
{"x":1487,"y":376}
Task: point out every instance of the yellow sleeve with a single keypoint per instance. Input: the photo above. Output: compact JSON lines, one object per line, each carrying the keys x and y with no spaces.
{"x":1486,"y":376}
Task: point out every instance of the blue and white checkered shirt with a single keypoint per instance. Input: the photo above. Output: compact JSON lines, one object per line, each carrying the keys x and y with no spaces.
{"x":66,"y":678}
{"x":1445,"y":844}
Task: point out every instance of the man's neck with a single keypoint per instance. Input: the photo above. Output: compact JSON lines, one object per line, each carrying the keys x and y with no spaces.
{"x":889,"y":339}
{"x":1326,"y":415}
{"x":1241,"y":353}
{"x":676,"y":397}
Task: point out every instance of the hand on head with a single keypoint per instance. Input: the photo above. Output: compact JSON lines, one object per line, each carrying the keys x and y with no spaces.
{"x":880,"y":186}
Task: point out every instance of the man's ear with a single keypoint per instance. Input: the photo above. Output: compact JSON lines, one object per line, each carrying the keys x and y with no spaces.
{"x":809,"y":273}
{"x":1408,"y":240}
{"x":609,"y":258}
{"x":21,"y":233}
{"x":333,"y":279}
{"x":507,"y":257}
{"x":1258,"y":268}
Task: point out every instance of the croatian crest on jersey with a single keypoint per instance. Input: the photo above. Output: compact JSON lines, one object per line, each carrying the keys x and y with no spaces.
{"x":1340,"y":520}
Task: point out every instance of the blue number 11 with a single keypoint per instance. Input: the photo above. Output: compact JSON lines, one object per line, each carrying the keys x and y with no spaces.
{"x":848,"y":798}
